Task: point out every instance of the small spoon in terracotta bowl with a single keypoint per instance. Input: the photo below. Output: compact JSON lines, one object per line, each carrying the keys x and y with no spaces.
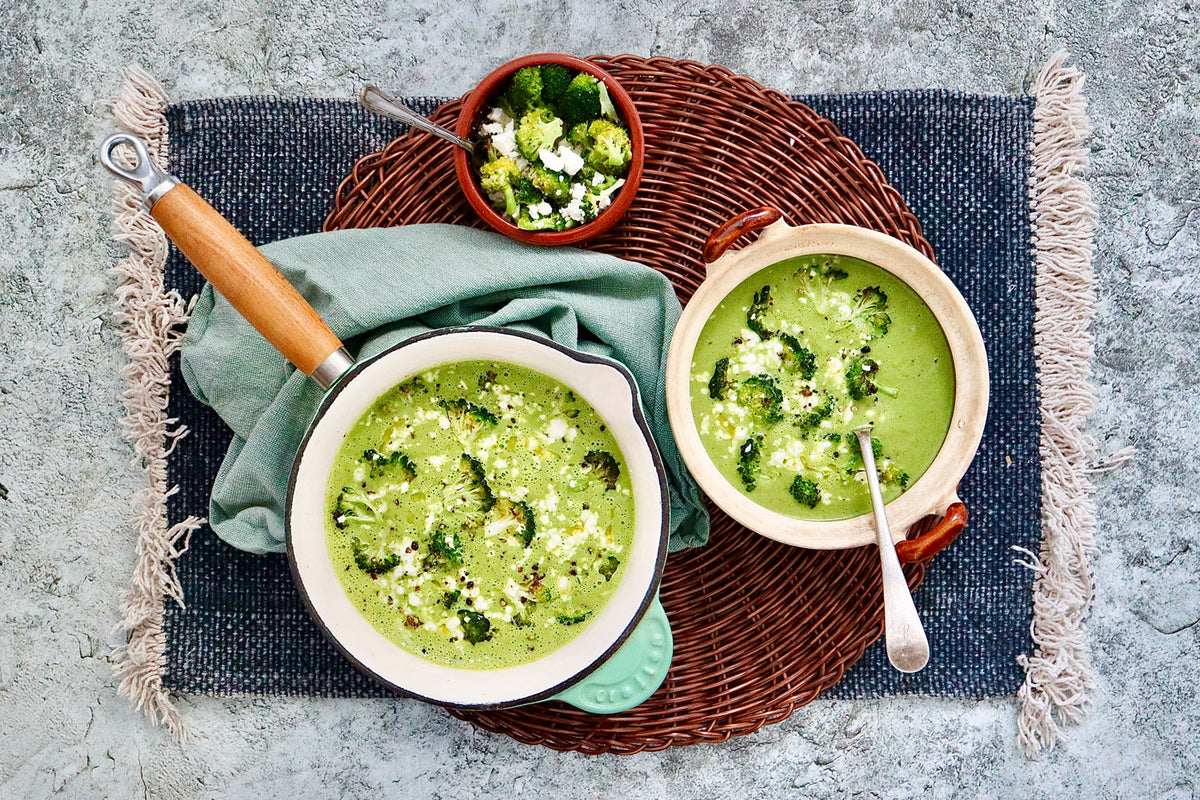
{"x":907,"y":645}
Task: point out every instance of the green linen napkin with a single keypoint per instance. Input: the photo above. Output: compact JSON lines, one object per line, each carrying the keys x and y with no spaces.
{"x":376,"y":288}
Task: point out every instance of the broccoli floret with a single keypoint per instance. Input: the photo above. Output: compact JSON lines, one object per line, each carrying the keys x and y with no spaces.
{"x":500,"y":176}
{"x":555,"y":80}
{"x":609,"y":567}
{"x":476,"y":627}
{"x":611,"y":150}
{"x":797,"y":356}
{"x":581,"y":100}
{"x":579,"y":138}
{"x":756,"y":315}
{"x":514,"y":514}
{"x":450,"y":598}
{"x":538,"y":130}
{"x":748,"y":455}
{"x":353,"y":505}
{"x":760,"y":395}
{"x":397,"y":465}
{"x":808,"y":421}
{"x":469,"y":492}
{"x":466,"y":418}
{"x":805,"y":491}
{"x":816,"y":281}
{"x":554,"y":185}
{"x":891,"y":474}
{"x":525,"y":90}
{"x":526,"y":193}
{"x":372,"y":565}
{"x":547,"y":222}
{"x":603,"y":465}
{"x":718,"y":384}
{"x":445,"y":548}
{"x":836,"y":438}
{"x":566,"y":619}
{"x":862,"y":380}
{"x":867,"y":312}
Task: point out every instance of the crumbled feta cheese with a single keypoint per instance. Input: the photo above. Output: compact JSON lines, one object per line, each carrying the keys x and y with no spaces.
{"x":551,"y":160}
{"x":572,"y":162}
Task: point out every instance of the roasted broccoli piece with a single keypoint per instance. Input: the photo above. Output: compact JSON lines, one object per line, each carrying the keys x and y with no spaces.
{"x":527,"y":194}
{"x":466,"y":418}
{"x":867,"y":312}
{"x":756,"y":315}
{"x":797,"y":356}
{"x":579,"y":138}
{"x":748,"y":456}
{"x":760,"y":395}
{"x":609,"y":567}
{"x":501,"y":176}
{"x":469,"y":492}
{"x":718,"y":384}
{"x":450,"y":598}
{"x":862,"y":379}
{"x":603,"y":465}
{"x":514,"y":514}
{"x":553,"y":185}
{"x":538,"y":130}
{"x":353,"y":505}
{"x":581,"y":99}
{"x":566,"y":619}
{"x":547,"y":222}
{"x":445,"y":548}
{"x":398,"y":465}
{"x":476,"y":627}
{"x":611,"y":150}
{"x":525,"y":90}
{"x":805,"y":491}
{"x":816,"y":281}
{"x":555,"y":80}
{"x":373,"y":565}
{"x":808,"y":421}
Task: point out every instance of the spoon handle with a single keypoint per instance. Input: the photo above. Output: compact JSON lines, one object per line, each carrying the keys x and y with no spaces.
{"x":907,"y":645}
{"x":375,"y":99}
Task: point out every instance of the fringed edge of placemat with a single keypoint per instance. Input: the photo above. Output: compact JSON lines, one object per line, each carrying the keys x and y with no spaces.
{"x":151,"y":322}
{"x":1058,"y":674}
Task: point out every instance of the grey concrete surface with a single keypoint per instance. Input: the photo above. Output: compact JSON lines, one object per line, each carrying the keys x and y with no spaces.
{"x":66,"y":548}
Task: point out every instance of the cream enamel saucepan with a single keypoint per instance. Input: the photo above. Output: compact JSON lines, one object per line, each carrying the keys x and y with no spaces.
{"x":935,"y":492}
{"x":613,"y":664}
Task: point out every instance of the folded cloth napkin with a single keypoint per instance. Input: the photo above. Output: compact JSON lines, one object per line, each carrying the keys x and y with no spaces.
{"x":376,"y":288}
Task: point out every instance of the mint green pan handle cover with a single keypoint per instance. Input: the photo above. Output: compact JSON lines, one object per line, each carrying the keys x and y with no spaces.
{"x":633,"y":673}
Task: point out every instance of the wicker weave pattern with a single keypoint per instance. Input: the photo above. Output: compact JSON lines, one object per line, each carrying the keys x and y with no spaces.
{"x":760,"y":628}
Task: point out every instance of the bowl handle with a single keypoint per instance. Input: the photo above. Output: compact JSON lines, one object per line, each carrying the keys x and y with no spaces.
{"x":732,"y":229}
{"x":933,"y":541}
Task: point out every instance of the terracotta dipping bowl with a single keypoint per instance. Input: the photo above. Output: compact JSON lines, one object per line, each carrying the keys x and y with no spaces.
{"x":471,"y":117}
{"x":935,"y":492}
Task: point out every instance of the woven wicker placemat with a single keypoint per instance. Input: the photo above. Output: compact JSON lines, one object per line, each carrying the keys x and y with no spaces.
{"x":760,"y":628}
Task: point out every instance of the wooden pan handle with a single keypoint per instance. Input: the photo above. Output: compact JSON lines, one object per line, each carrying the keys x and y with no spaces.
{"x":933,"y":541}
{"x":243,"y":277}
{"x":731,"y":230}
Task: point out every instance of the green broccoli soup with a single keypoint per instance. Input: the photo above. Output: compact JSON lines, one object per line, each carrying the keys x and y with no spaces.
{"x":799,"y":355}
{"x":479,"y":514}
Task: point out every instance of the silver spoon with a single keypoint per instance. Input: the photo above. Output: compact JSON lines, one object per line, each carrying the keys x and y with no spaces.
{"x":907,"y":646}
{"x":375,"y":99}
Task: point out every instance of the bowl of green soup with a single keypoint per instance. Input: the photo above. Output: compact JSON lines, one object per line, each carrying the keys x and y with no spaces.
{"x":477,"y":518}
{"x":794,"y":341}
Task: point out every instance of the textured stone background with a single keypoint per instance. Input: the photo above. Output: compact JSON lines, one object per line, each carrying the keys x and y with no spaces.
{"x":66,"y":549}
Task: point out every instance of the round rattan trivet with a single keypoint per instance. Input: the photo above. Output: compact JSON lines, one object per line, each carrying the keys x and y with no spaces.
{"x":760,"y":628}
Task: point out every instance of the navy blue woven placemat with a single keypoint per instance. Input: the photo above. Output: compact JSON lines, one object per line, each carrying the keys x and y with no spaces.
{"x":962,"y":164}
